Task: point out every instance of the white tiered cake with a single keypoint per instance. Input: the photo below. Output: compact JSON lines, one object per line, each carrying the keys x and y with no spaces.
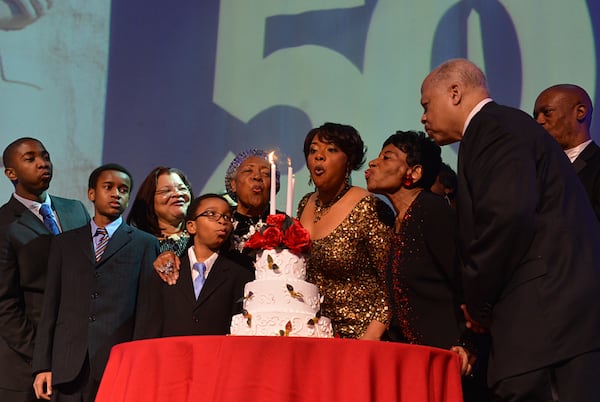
{"x":280,"y":301}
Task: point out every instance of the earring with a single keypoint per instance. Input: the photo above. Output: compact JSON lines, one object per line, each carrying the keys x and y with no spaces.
{"x":408,"y":181}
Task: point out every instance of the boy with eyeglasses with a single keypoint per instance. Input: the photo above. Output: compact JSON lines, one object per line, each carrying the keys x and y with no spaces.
{"x":210,"y":286}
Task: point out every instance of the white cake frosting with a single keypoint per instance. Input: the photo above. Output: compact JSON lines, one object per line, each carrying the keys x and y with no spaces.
{"x":280,"y":301}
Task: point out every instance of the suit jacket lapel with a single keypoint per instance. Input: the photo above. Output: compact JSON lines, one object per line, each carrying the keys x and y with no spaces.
{"x":119,"y":239}
{"x":581,"y":161}
{"x":217,"y":275}
{"x":185,"y":284}
{"x":67,"y":217}
{"x":27,"y":218}
{"x":85,"y":242}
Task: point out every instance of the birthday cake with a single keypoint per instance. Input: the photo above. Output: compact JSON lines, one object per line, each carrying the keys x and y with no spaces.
{"x":280,"y":302}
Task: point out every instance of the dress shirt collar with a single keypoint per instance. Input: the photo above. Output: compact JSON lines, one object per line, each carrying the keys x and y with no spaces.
{"x":34,"y":206}
{"x":574,"y":152}
{"x":476,"y":109}
{"x":111,"y":228}
{"x":209,"y":262}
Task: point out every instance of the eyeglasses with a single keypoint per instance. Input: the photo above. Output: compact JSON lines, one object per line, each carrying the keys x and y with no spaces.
{"x":214,"y":216}
{"x":168,"y":192}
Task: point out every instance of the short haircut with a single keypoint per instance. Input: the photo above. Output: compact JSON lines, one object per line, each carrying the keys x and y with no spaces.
{"x":462,"y":69}
{"x":447,"y":177}
{"x":191,"y":212}
{"x":344,"y":137}
{"x":8,"y":154}
{"x":93,"y":180}
{"x":419,"y":150}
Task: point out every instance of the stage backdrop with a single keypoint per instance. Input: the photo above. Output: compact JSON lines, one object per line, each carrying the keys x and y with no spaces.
{"x":190,"y":83}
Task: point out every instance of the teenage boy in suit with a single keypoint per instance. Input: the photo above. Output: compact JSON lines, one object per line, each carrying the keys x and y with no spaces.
{"x":24,"y":247}
{"x":204,"y":305}
{"x":528,"y":240}
{"x":97,"y":293}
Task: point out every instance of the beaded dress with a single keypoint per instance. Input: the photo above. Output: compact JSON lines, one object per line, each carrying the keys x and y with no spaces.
{"x":177,"y":243}
{"x":345,"y":265}
{"x":423,"y":276}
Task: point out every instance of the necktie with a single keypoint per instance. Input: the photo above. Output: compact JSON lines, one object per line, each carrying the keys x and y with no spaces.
{"x":199,"y":281}
{"x":102,"y":242}
{"x":49,"y":219}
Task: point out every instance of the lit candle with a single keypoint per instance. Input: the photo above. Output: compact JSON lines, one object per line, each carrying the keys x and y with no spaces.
{"x":273,"y":184}
{"x":290,"y":189}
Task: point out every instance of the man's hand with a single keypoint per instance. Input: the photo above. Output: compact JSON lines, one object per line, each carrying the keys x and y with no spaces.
{"x":42,"y":385}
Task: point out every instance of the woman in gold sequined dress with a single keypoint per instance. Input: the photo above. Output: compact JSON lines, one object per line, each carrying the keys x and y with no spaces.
{"x":349,"y":228}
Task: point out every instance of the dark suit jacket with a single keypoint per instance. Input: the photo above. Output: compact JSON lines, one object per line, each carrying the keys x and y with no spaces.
{"x":89,"y":307}
{"x":220,"y":298}
{"x":24,"y":248}
{"x":529,"y":243}
{"x":587,"y":166}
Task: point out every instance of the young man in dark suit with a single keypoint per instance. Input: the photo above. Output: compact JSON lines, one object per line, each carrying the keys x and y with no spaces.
{"x":528,"y":240}
{"x":204,"y":305}
{"x":24,"y":247}
{"x":98,"y":293}
{"x":565,"y":111}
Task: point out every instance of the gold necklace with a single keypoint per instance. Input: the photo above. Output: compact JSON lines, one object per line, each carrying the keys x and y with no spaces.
{"x":321,"y":209}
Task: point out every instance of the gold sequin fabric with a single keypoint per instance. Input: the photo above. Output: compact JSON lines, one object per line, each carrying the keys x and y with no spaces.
{"x":346,"y":265}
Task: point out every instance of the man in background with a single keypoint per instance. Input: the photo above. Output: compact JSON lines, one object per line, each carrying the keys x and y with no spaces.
{"x":565,"y":111}
{"x":25,"y":235}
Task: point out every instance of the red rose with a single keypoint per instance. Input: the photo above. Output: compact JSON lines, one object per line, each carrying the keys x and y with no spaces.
{"x":256,"y":241}
{"x":273,"y":237}
{"x":276,"y":220}
{"x":297,"y":239}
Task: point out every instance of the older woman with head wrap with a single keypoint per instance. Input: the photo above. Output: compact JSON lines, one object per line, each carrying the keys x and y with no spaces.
{"x":248,"y":183}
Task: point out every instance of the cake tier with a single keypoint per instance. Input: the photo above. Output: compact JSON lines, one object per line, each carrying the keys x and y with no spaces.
{"x":276,"y":324}
{"x":270,"y":295}
{"x":280,"y":264}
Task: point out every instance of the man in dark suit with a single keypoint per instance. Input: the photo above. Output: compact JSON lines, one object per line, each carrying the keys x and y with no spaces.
{"x":528,"y":240}
{"x":24,"y":248}
{"x":565,"y":111}
{"x":98,"y":293}
{"x":204,"y":305}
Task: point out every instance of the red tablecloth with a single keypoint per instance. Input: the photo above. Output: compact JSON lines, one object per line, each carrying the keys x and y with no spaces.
{"x":265,"y":369}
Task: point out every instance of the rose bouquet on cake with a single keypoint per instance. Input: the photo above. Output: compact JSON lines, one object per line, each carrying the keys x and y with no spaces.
{"x":280,"y":232}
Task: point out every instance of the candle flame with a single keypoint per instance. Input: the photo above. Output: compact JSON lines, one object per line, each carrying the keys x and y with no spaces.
{"x":271,"y":156}
{"x":289,"y":161}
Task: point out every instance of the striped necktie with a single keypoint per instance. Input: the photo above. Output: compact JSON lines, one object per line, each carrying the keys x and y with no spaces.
{"x":101,"y":243}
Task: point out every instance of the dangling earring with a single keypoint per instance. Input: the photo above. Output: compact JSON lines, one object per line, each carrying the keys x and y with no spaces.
{"x":408,"y":181}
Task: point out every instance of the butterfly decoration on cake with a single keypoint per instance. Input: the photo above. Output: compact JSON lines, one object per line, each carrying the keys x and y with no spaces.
{"x":280,"y":302}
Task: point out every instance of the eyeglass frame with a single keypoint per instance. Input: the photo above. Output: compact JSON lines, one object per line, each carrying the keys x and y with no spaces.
{"x":168,"y":193}
{"x":214,"y":216}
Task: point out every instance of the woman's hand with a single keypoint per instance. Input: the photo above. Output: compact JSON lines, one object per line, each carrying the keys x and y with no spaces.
{"x":471,"y":323}
{"x":466,"y":360}
{"x":374,"y":331}
{"x":167,"y":266}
